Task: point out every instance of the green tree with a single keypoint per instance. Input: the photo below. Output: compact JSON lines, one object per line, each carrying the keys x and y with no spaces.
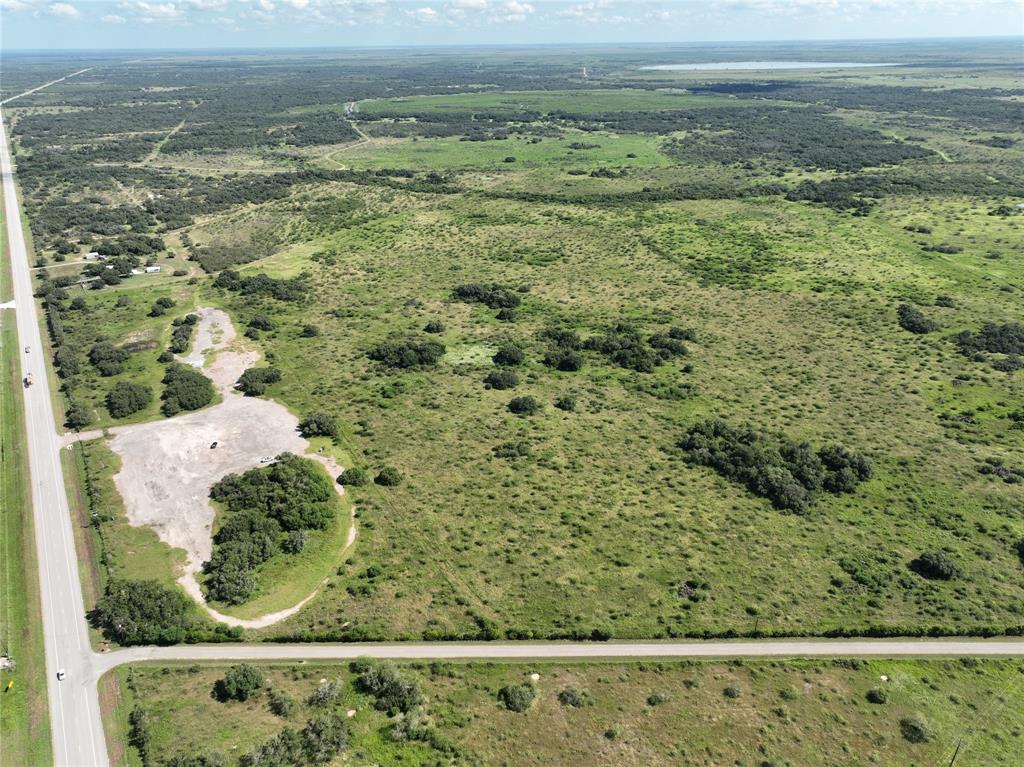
{"x":240,"y":682}
{"x":126,"y":398}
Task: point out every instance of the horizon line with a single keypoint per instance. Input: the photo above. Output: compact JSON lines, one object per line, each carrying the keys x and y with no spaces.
{"x":447,"y":46}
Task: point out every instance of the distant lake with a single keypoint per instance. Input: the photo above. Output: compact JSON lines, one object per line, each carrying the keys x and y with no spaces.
{"x":724,"y":65}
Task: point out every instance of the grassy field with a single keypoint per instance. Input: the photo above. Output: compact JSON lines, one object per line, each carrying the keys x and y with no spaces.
{"x":590,"y":521}
{"x":624,"y":100}
{"x":785,"y":712}
{"x":24,"y":715}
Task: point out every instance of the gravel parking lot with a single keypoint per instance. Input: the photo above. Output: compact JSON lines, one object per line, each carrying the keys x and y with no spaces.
{"x":169,"y":466}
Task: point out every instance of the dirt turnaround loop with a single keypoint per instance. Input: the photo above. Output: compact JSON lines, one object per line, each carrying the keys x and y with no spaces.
{"x":168,"y":466}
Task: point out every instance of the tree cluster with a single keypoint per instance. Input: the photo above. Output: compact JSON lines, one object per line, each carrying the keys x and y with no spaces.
{"x":789,"y":474}
{"x":185,"y":388}
{"x":254,"y":381}
{"x":493,"y":296}
{"x":269,"y":509}
{"x":411,"y":353}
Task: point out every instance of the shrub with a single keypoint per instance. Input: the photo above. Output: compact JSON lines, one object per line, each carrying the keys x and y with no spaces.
{"x":319,"y":425}
{"x":160,"y":306}
{"x":494,"y":296}
{"x":142,"y":612}
{"x":732,"y":691}
{"x":915,"y":729}
{"x":323,"y":738}
{"x":391,"y":692}
{"x":283,"y":750}
{"x":572,"y":697}
{"x":517,"y":697}
{"x":261,"y":322}
{"x":254,"y":381}
{"x":327,"y":694}
{"x":78,"y":304}
{"x":389,"y":476}
{"x":407,"y":354}
{"x":77,"y":416}
{"x":309,"y":331}
{"x":507,"y":315}
{"x":181,"y":336}
{"x":912,"y":319}
{"x":523,"y":405}
{"x":239,"y":683}
{"x":126,"y":398}
{"x":566,"y":402}
{"x":564,"y":360}
{"x":501,"y":379}
{"x":107,"y":359}
{"x":281,"y":704}
{"x":295,"y":541}
{"x":657,"y":699}
{"x":66,"y":361}
{"x":935,"y":565}
{"x":434,"y":326}
{"x":353,"y":477}
{"x":513,"y":450}
{"x":877,"y":696}
{"x":185,"y":388}
{"x":509,"y":354}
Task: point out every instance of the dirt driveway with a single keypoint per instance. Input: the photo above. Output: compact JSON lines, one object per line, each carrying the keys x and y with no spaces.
{"x":168,"y":466}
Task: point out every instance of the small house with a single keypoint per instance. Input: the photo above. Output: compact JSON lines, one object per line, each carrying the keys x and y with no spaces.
{"x":152,"y":269}
{"x":92,"y":255}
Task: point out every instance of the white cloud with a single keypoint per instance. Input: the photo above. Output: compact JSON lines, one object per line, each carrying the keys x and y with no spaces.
{"x":15,"y":5}
{"x":426,"y":13}
{"x":469,"y":5}
{"x":206,"y":5}
{"x":265,"y":5}
{"x":297,"y":4}
{"x":64,"y":11}
{"x":512,"y":11}
{"x":155,"y":12}
{"x":113,"y":18}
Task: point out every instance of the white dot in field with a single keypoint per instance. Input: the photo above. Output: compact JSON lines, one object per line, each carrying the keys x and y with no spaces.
{"x":323,"y":680}
{"x":351,"y":713}
{"x":884,"y":678}
{"x":535,"y":677}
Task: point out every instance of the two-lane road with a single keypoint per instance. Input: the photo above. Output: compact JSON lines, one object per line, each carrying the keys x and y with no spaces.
{"x":74,"y":705}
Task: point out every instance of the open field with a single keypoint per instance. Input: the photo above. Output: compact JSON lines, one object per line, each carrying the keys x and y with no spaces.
{"x":701,"y":713}
{"x":723,"y":246}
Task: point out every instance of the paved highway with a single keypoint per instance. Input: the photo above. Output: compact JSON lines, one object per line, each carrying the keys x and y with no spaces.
{"x":74,"y":703}
{"x":758,"y":648}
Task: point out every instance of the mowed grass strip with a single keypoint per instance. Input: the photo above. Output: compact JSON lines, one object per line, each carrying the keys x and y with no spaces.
{"x":24,"y":713}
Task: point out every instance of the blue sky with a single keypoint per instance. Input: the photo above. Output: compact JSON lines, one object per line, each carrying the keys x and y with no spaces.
{"x":45,"y":24}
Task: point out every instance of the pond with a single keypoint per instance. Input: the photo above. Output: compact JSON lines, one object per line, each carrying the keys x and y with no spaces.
{"x":752,"y":65}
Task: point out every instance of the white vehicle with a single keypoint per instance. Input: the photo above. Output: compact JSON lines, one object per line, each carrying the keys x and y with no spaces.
{"x":60,"y":675}
{"x":28,"y":380}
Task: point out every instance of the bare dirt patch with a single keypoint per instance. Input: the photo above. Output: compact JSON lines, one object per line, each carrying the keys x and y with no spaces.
{"x":169,"y":466}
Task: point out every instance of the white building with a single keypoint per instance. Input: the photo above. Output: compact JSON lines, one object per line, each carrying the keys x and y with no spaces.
{"x":152,"y":269}
{"x":92,"y":255}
